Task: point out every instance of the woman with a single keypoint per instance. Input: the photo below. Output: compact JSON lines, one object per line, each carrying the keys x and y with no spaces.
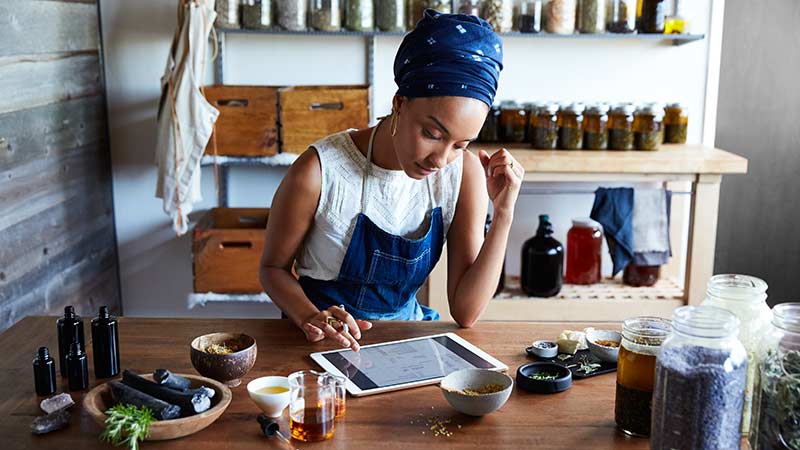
{"x":366,"y":212}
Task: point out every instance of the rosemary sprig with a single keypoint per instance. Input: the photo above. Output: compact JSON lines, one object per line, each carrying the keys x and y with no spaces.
{"x":127,"y":425}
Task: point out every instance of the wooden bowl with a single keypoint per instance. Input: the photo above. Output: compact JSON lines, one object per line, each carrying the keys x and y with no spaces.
{"x":96,"y":401}
{"x":228,"y":368}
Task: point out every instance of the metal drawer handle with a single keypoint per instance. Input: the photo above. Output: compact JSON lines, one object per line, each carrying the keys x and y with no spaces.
{"x":326,"y":106}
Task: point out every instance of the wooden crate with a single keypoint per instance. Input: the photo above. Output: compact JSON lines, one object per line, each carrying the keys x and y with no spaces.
{"x":247,"y":123}
{"x":308,"y":113}
{"x":227,"y":245}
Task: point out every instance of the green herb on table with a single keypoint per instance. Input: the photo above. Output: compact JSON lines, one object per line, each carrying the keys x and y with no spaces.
{"x":127,"y":425}
{"x":587,"y":366}
{"x":543,"y":376}
{"x":564,"y":357}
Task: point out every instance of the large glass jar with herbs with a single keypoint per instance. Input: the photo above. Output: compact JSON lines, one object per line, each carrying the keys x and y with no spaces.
{"x":595,"y":127}
{"x":359,"y":15}
{"x":390,"y":15}
{"x":499,"y":14}
{"x":621,"y":16}
{"x":746,"y":297}
{"x":544,"y":127}
{"x":636,"y":373}
{"x":415,"y":8}
{"x":591,"y":16}
{"x":491,"y":126}
{"x":654,"y":12}
{"x":227,"y":14}
{"x":701,"y":373}
{"x":620,"y":127}
{"x":676,"y":123}
{"x":559,"y":16}
{"x":291,"y":14}
{"x":570,"y":126}
{"x":529,"y":16}
{"x":325,"y":15}
{"x":648,"y":129}
{"x":776,"y":404}
{"x":513,"y":121}
{"x":257,"y":14}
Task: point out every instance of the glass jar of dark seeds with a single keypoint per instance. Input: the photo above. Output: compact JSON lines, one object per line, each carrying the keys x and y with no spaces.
{"x":513,"y":121}
{"x":290,"y":15}
{"x":620,"y":127}
{"x":227,"y":14}
{"x":358,"y":15}
{"x":390,"y":15}
{"x":701,"y":372}
{"x":648,"y":129}
{"x":257,"y":14}
{"x":591,"y":16}
{"x":654,"y":13}
{"x":676,"y":123}
{"x":595,"y":127}
{"x":621,"y":16}
{"x":325,"y":15}
{"x":544,"y":127}
{"x":415,"y":8}
{"x":530,"y":16}
{"x":570,"y":126}
{"x":491,"y":126}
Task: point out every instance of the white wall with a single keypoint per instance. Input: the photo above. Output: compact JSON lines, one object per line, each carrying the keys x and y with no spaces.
{"x":155,"y":266}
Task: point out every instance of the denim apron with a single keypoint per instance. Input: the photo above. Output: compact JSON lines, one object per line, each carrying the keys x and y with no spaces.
{"x":382,"y":272}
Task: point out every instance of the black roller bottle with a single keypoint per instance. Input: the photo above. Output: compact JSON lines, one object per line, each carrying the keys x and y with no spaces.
{"x":44,"y":372}
{"x":69,"y":326}
{"x":77,"y":370}
{"x":542,"y":262}
{"x":105,"y":344}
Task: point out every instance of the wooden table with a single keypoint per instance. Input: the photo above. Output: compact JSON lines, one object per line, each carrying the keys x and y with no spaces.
{"x":582,"y":417}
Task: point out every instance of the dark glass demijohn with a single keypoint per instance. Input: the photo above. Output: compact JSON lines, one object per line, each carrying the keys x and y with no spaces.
{"x":542,"y":262}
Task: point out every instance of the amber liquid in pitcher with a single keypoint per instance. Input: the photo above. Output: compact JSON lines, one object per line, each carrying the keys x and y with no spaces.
{"x":636,"y":374}
{"x":311,"y":425}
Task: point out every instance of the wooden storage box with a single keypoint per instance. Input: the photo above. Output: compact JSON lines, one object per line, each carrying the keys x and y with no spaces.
{"x":308,"y":113}
{"x":227,"y":245}
{"x":247,"y":123}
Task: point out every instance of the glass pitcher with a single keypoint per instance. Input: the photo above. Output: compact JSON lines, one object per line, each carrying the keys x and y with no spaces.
{"x":312,"y":405}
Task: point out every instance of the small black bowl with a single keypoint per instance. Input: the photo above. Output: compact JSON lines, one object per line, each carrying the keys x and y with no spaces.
{"x":562,"y":383}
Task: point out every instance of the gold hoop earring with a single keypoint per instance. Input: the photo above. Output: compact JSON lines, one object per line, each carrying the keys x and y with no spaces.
{"x":394,"y":123}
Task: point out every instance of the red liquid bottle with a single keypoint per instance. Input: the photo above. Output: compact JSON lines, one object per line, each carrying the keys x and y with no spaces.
{"x":584,"y":245}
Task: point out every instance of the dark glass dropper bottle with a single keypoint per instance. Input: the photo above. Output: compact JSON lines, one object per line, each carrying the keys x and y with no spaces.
{"x":77,"y":370}
{"x":44,"y":372}
{"x":69,"y":327}
{"x":542,"y":262}
{"x":105,"y":344}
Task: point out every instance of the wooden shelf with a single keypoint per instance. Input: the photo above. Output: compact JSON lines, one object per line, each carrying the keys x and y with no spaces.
{"x":609,"y":301}
{"x":279,"y":160}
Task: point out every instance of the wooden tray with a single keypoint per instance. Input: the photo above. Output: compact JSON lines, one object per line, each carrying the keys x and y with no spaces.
{"x":98,"y":400}
{"x":572,"y":363}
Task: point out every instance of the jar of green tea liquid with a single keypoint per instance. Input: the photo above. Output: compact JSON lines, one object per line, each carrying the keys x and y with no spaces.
{"x":570,"y":126}
{"x":620,"y":127}
{"x":648,"y":129}
{"x":595,"y":127}
{"x":544,"y":127}
{"x":676,"y":123}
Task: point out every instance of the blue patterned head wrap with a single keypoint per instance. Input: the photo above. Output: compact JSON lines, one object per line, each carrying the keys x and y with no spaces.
{"x":449,"y":55}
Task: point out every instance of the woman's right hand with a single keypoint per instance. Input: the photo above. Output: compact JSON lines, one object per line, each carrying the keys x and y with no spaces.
{"x":317,"y":327}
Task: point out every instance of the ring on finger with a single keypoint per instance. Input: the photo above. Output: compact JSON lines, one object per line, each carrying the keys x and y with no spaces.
{"x":330,"y":320}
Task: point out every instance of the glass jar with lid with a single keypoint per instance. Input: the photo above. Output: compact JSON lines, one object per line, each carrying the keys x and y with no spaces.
{"x":584,"y":252}
{"x":654,"y":12}
{"x":776,"y":404}
{"x":325,"y":15}
{"x":531,"y":108}
{"x":491,"y":126}
{"x":415,"y":8}
{"x":570,"y":126}
{"x":358,"y":15}
{"x":595,"y":127}
{"x":636,"y":372}
{"x":621,"y":16}
{"x":544,"y":127}
{"x":591,"y":16}
{"x":676,"y":123}
{"x":390,"y":15}
{"x":746,"y":297}
{"x":620,"y":127}
{"x":290,"y":15}
{"x":499,"y":14}
{"x":640,"y":276}
{"x":558,"y":16}
{"x":257,"y":14}
{"x":701,"y":373}
{"x":513,"y":121}
{"x":227,"y":14}
{"x":648,"y":130}
{"x":530,"y":16}
{"x":468,"y":7}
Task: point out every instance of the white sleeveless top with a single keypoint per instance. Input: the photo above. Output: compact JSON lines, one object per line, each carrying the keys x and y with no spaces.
{"x":395,"y":202}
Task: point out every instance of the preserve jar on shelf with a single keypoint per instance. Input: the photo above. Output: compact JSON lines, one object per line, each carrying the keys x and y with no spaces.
{"x":290,"y":15}
{"x":257,"y":14}
{"x":640,"y":276}
{"x":490,"y":132}
{"x":415,"y":8}
{"x":620,"y":127}
{"x":591,"y":16}
{"x":648,"y":130}
{"x":530,"y":16}
{"x":621,"y":16}
{"x":468,"y":7}
{"x":544,"y":127}
{"x":513,"y":121}
{"x":325,"y":15}
{"x":654,"y":12}
{"x":745,"y":297}
{"x":558,"y":16}
{"x":776,"y":404}
{"x":570,"y":126}
{"x":584,"y":256}
{"x":676,"y":123}
{"x":390,"y":15}
{"x":701,"y":373}
{"x":499,"y":14}
{"x":636,"y":372}
{"x":227,"y":14}
{"x":595,"y":127}
{"x":542,"y":265}
{"x":359,"y":15}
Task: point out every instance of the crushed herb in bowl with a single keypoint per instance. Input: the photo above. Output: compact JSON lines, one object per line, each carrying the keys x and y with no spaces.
{"x":483,"y":390}
{"x":606,"y":343}
{"x":543,"y":376}
{"x":219,"y":349}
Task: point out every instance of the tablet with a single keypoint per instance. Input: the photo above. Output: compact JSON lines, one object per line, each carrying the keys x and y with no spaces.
{"x":391,"y":366}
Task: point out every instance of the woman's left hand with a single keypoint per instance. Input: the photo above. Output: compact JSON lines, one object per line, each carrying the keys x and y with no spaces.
{"x":503,"y":180}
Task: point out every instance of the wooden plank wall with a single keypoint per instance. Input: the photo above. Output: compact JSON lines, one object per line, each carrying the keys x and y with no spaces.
{"x":57,"y":239}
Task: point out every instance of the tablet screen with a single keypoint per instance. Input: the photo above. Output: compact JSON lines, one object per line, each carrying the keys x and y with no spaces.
{"x":405,"y":362}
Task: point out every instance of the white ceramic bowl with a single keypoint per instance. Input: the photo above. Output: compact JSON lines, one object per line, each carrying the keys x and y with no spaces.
{"x":476,"y":405}
{"x":272,"y":404}
{"x":601,"y":352}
